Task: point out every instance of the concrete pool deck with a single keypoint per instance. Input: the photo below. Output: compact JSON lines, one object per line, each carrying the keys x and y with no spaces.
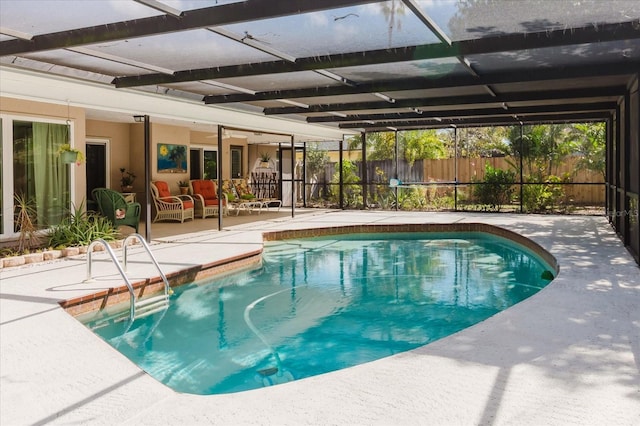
{"x":568,"y":355}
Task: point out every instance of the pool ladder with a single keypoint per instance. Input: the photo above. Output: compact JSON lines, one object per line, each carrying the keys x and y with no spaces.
{"x":138,"y":308}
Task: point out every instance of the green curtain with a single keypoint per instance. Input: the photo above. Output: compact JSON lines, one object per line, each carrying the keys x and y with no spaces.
{"x":51,"y":181}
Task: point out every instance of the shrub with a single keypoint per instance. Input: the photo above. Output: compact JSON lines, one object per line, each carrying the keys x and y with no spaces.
{"x":411,"y":198}
{"x":546,"y":196}
{"x":497,"y":188}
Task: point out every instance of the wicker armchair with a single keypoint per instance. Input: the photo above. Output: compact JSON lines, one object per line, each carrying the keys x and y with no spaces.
{"x":171,"y":207}
{"x":114,"y":207}
{"x":205,"y":194}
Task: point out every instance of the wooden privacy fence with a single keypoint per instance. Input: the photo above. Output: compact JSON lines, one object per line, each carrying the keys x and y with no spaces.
{"x":470,"y":169}
{"x":588,"y":188}
{"x":473,"y":169}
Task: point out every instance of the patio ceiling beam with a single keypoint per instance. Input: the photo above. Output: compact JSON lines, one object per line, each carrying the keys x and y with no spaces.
{"x":610,"y":93}
{"x":502,"y":43}
{"x":461,"y":113}
{"x":506,"y":120}
{"x":225,"y":14}
{"x":421,"y":83}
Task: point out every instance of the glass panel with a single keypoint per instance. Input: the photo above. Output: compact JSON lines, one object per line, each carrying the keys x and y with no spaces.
{"x":400,"y":70}
{"x":429,"y":155}
{"x":236,"y":162}
{"x":562,"y":167}
{"x":200,"y":87}
{"x":210,"y":170}
{"x":269,"y":82}
{"x":351,"y":174}
{"x":634,"y":142}
{"x":438,"y":93}
{"x":351,"y":29}
{"x":298,"y":177}
{"x":381,"y":168}
{"x":582,"y":54}
{"x":88,"y":63}
{"x":634,"y":226}
{"x":464,"y":20}
{"x":183,"y":5}
{"x":487,"y":169}
{"x":184,"y":50}
{"x":55,"y":69}
{"x":320,"y":160}
{"x":40,"y":177}
{"x":35,"y":16}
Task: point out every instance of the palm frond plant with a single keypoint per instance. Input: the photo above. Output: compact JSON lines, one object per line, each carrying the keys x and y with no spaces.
{"x":25,"y":218}
{"x":81,"y":228}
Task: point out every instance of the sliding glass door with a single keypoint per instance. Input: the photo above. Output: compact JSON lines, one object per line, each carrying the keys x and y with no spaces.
{"x":33,"y":172}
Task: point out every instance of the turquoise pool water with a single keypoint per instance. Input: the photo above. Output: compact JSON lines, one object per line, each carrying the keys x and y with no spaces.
{"x":323,"y":304}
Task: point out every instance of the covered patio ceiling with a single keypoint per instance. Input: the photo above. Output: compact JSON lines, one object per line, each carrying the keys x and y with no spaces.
{"x":352,"y":65}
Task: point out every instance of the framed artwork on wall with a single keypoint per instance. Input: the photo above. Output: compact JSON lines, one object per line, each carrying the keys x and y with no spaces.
{"x":172,"y":158}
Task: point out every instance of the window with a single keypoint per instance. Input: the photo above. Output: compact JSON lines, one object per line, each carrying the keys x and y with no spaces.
{"x":204,"y":163}
{"x":236,"y":162}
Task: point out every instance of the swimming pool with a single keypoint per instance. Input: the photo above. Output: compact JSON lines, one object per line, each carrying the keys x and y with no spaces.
{"x":323,"y":304}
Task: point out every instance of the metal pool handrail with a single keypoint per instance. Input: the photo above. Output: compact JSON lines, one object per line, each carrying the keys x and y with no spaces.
{"x":167,"y":287}
{"x":147,"y":306}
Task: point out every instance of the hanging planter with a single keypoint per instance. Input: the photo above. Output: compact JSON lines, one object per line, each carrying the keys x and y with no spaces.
{"x":70,"y":155}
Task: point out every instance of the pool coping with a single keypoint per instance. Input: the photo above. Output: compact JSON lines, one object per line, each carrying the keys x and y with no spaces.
{"x":120,"y":295}
{"x":417,"y":227}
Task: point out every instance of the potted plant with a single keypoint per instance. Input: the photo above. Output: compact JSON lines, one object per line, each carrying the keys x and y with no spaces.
{"x":184,"y":187}
{"x":70,"y":155}
{"x":126,"y":180}
{"x":264,"y":159}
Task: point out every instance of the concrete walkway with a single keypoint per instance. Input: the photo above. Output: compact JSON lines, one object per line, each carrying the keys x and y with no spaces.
{"x":570,"y":355}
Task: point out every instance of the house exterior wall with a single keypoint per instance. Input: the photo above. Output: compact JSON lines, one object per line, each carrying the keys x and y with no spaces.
{"x":118,"y":147}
